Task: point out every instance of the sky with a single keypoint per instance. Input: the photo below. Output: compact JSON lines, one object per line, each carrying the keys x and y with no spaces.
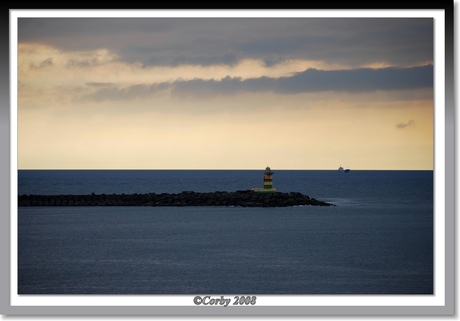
{"x":225,"y":93}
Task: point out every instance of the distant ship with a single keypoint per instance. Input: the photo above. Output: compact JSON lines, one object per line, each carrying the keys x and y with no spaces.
{"x":343,"y":170}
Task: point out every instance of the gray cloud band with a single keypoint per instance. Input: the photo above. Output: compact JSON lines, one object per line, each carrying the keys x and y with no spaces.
{"x":214,"y":41}
{"x":311,"y":80}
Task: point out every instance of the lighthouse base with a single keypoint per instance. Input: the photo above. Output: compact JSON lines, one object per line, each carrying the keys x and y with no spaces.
{"x":264,"y":190}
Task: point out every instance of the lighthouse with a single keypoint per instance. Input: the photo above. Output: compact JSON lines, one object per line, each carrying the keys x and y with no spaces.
{"x":268,"y":182}
{"x":268,"y":177}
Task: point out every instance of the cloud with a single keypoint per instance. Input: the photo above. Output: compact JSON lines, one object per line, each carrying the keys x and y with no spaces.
{"x":45,"y":63}
{"x":405,"y":125}
{"x":100,"y":84}
{"x":82,"y":63}
{"x":314,"y":80}
{"x":311,"y":80}
{"x":110,"y":92}
{"x":174,"y":41}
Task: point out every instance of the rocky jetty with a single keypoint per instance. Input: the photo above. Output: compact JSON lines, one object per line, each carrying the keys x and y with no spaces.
{"x":247,"y":198}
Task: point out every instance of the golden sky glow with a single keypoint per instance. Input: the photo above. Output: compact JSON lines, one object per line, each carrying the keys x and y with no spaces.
{"x":108,"y":107}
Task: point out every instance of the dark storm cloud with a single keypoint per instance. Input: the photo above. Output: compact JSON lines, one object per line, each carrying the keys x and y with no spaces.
{"x":311,"y":80}
{"x":206,"y":41}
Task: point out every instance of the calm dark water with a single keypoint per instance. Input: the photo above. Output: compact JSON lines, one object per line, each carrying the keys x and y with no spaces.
{"x":377,"y":240}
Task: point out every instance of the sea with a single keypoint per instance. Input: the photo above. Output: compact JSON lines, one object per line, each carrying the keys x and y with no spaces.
{"x":378,"y":239}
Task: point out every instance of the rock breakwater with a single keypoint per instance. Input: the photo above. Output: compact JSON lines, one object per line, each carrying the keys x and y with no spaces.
{"x":247,"y":198}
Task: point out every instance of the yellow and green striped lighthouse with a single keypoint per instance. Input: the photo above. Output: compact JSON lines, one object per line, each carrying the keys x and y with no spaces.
{"x":268,"y":182}
{"x":268,"y":177}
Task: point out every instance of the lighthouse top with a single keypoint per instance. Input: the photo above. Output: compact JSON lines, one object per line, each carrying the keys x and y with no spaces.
{"x":268,"y":170}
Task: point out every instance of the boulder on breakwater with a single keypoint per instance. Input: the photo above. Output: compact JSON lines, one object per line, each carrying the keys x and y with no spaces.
{"x":247,"y":198}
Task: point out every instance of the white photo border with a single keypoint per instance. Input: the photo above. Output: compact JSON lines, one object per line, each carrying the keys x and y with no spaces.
{"x":349,"y":304}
